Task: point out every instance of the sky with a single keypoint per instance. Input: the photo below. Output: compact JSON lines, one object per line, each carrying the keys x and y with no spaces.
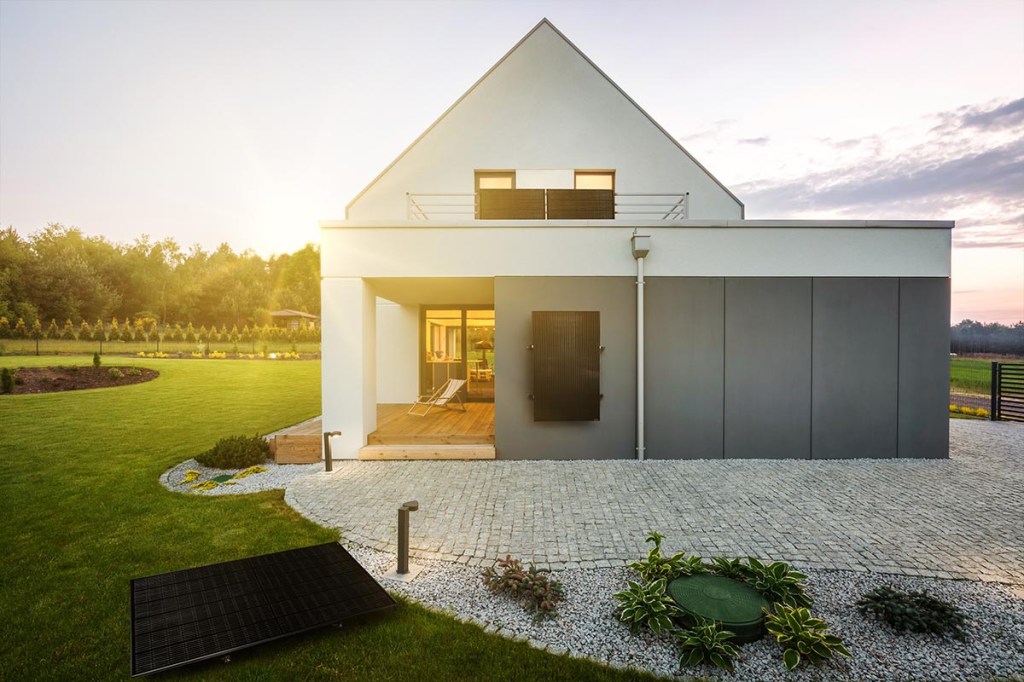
{"x":249,"y":122}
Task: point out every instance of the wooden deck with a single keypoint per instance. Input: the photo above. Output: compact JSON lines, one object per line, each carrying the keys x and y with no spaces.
{"x":475,"y":426}
{"x":441,"y":434}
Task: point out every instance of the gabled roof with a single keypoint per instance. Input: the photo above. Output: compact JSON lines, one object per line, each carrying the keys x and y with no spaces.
{"x":293,"y":313}
{"x":541,"y":23}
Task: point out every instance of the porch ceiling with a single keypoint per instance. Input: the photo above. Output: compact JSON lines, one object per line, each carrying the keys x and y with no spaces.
{"x":435,"y":290}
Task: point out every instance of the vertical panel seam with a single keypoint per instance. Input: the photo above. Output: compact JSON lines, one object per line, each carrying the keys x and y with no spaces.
{"x":725,"y":357}
{"x":810,"y":431}
{"x":899,"y":358}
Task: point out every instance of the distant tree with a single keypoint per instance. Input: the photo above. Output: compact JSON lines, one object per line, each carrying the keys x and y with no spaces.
{"x":68,"y":333}
{"x":37,"y":333}
{"x":20,"y":330}
{"x":53,"y":332}
{"x":84,"y":330}
{"x":5,"y":328}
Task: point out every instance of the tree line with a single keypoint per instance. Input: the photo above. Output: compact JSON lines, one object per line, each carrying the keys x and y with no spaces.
{"x":58,"y":275}
{"x":969,"y":336}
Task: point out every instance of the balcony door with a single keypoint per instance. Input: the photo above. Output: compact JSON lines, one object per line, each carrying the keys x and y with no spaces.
{"x":457,"y":342}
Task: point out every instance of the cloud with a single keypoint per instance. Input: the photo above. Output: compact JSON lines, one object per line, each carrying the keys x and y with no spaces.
{"x":759,"y":141}
{"x":969,"y":167}
{"x":1008,"y":115}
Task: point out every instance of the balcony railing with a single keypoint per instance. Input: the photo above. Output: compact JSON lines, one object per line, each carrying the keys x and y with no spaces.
{"x":547,"y":204}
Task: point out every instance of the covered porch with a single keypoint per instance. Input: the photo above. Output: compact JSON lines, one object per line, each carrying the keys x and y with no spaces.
{"x":441,"y":434}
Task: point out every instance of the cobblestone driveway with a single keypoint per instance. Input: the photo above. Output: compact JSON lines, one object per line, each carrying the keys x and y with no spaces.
{"x":961,"y":517}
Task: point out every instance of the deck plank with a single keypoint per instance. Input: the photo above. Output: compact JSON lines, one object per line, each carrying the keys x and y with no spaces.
{"x":475,"y":426}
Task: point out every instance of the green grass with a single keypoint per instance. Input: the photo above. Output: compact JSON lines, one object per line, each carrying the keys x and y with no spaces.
{"x":971,"y":375}
{"x":83,"y":513}
{"x":75,"y":347}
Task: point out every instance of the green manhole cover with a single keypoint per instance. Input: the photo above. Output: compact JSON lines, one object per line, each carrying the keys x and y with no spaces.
{"x":222,"y":478}
{"x":733,"y":604}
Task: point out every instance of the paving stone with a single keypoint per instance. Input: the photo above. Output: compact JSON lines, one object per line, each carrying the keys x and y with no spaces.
{"x":958,"y":517}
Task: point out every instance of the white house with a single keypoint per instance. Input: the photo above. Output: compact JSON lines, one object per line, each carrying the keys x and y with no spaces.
{"x":499,"y":247}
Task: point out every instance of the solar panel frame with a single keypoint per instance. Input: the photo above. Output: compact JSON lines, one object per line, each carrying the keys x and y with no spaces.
{"x":200,"y":613}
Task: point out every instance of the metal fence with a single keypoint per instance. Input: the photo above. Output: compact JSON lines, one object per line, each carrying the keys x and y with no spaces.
{"x":970,"y":383}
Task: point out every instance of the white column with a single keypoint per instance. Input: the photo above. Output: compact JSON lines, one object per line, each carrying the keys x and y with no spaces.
{"x":398,"y":353}
{"x":349,"y":365}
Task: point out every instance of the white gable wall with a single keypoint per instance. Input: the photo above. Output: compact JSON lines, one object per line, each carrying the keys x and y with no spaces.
{"x":544,"y":107}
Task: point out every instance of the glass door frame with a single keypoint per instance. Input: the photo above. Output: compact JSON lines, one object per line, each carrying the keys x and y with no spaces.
{"x":426,"y":375}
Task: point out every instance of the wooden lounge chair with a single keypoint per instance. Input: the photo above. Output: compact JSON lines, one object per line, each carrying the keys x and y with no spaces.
{"x":440,"y":398}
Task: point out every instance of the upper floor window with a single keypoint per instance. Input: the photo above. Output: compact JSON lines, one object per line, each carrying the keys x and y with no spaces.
{"x":495,"y":180}
{"x":595,"y":180}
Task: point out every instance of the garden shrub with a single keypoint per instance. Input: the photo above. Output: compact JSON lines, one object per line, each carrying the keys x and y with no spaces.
{"x":236,"y":452}
{"x":532,"y":588}
{"x":96,"y":361}
{"x":115,"y":373}
{"x":132,"y":372}
{"x":641,"y":605}
{"x":706,"y":642}
{"x":656,"y":566}
{"x":6,"y":380}
{"x":802,"y":636}
{"x":777,"y":582}
{"x":913,"y":611}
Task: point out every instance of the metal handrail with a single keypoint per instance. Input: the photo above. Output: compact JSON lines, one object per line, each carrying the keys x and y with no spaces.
{"x":427,"y":206}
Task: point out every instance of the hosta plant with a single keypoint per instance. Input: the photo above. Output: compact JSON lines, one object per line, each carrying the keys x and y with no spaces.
{"x":532,"y":587}
{"x":706,"y":642}
{"x":647,"y":605}
{"x":730,"y":568}
{"x":802,"y":636}
{"x":913,"y":611}
{"x":656,"y":566}
{"x":777,"y":582}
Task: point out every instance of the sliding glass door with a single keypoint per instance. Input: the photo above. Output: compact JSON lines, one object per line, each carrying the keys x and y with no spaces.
{"x":457,"y":342}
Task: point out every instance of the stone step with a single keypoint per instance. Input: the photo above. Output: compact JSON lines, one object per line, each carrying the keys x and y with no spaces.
{"x":421,"y":452}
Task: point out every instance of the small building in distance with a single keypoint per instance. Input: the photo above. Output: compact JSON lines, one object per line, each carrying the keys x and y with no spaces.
{"x":293,"y":319}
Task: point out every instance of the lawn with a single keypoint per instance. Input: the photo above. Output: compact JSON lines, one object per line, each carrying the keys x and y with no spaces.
{"x":83,"y":513}
{"x":970,"y":374}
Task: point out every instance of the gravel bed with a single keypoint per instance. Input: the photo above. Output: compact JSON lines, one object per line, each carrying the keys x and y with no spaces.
{"x":586,"y":627}
{"x":276,"y":476}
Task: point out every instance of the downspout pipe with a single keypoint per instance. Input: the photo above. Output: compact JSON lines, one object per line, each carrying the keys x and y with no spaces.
{"x":641,"y":246}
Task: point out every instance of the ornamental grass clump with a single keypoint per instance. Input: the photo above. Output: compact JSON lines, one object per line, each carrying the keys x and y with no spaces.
{"x":236,"y":452}
{"x":533,"y":588}
{"x":913,"y":611}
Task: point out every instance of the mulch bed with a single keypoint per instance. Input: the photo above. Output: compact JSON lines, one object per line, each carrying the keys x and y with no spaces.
{"x":52,"y":379}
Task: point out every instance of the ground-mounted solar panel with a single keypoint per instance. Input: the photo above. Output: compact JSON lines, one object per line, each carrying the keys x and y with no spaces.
{"x":200,"y":613}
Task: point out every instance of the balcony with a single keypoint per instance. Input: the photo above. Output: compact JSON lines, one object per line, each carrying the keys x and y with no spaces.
{"x":547,"y":204}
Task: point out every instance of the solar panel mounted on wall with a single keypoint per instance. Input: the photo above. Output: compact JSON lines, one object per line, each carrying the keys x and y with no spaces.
{"x":566,"y":365}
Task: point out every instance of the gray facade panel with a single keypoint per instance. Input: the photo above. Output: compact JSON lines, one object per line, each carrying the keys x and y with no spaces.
{"x":767,"y":368}
{"x":854,"y":357}
{"x":924,"y":367}
{"x":684,"y":367}
{"x":517,"y":436}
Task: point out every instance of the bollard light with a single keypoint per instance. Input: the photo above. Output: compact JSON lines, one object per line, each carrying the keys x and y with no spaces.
{"x":328,"y":462}
{"x":403,"y":535}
